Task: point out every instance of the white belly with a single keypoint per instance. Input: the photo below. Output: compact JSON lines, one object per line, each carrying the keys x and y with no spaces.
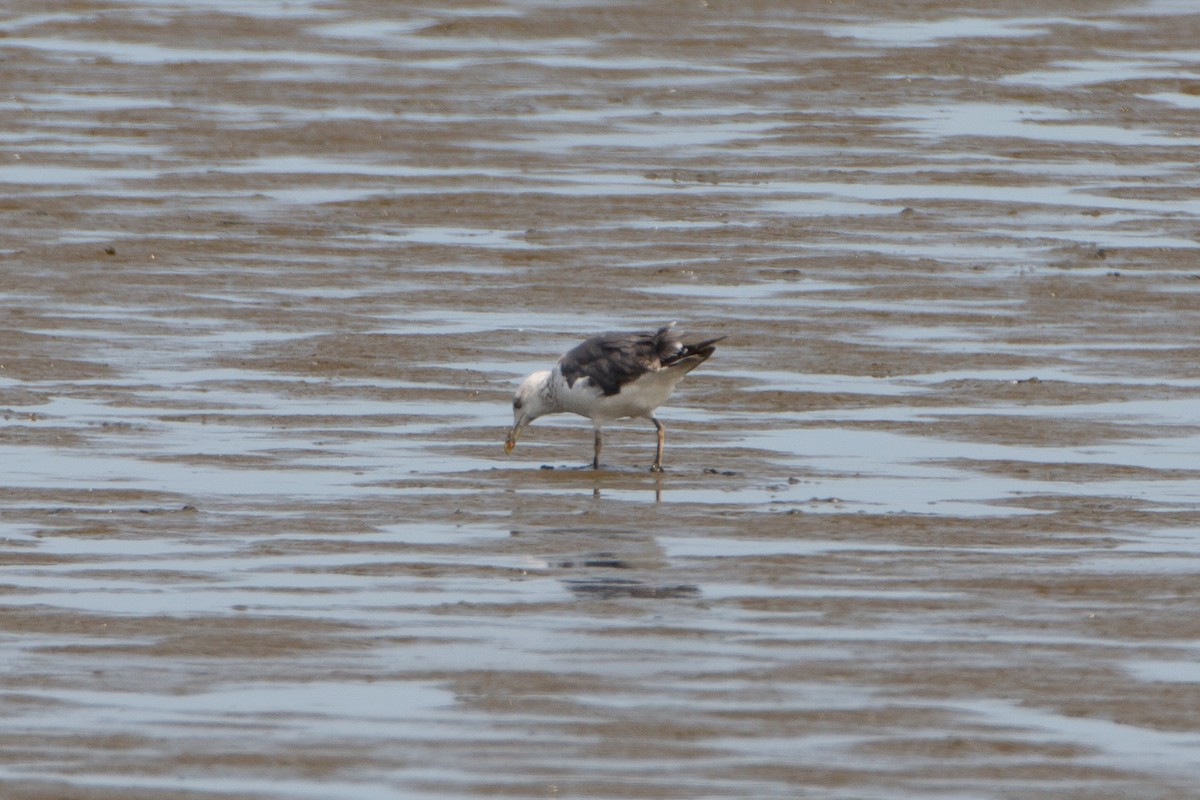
{"x":636,"y":399}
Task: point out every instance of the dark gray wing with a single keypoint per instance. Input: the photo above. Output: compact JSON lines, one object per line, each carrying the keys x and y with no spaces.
{"x":612,"y":360}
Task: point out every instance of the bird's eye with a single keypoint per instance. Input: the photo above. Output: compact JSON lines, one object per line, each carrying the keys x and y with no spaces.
{"x":517,"y":405}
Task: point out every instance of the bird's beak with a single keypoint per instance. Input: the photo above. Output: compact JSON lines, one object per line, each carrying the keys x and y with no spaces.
{"x":510,"y":441}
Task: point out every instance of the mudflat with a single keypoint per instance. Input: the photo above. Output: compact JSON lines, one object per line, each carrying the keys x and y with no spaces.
{"x":930,"y":525}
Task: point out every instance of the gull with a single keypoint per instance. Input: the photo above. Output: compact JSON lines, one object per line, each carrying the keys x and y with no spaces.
{"x":608,"y":377}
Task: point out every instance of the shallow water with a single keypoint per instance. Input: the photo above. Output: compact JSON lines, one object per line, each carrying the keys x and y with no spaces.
{"x":930,"y":526}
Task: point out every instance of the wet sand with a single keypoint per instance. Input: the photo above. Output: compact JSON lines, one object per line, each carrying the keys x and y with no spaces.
{"x":930,"y":521}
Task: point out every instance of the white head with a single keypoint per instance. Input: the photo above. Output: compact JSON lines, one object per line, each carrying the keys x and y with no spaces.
{"x":530,"y":401}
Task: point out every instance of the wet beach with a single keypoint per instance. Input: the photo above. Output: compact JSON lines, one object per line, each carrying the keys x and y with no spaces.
{"x":930,"y":521}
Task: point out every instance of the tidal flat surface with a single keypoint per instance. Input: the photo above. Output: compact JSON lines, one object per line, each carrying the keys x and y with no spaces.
{"x":931,"y":521}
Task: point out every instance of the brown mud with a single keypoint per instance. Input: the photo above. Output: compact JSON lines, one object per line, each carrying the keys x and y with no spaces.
{"x":930,"y":525}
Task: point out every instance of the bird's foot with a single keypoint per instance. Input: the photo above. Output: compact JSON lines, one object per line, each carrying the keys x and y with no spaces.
{"x":656,"y":467}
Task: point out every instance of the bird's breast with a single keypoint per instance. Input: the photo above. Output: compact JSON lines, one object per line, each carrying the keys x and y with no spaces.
{"x":637,"y":398}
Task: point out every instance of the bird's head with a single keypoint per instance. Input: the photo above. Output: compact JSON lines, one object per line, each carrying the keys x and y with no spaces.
{"x":530,"y":401}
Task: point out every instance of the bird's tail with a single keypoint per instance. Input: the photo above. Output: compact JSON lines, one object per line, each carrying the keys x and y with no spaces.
{"x":693,"y":355}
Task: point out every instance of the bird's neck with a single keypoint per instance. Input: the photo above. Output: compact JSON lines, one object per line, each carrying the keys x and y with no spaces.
{"x":548,"y":385}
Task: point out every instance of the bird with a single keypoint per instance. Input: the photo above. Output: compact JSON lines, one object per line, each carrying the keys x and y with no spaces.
{"x":607,"y":377}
